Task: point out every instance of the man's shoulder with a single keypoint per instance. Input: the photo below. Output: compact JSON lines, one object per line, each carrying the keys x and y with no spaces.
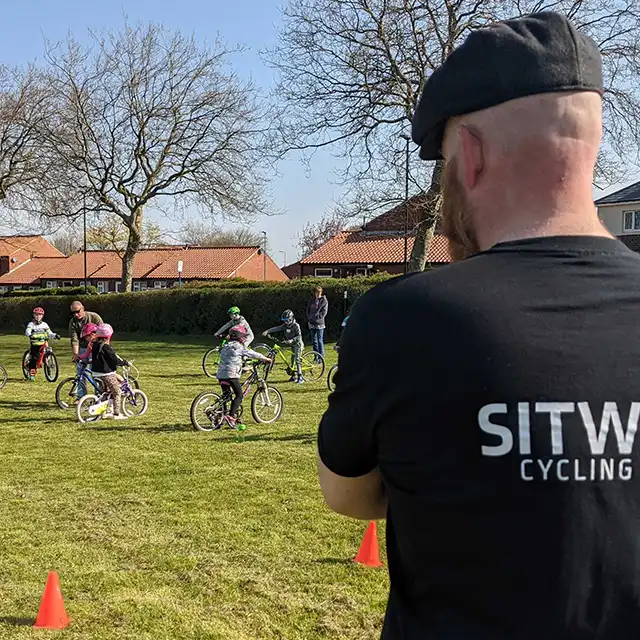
{"x":94,"y":317}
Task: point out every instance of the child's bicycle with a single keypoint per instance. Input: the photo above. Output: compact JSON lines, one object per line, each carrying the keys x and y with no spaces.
{"x":95,"y":407}
{"x":46,"y":359}
{"x":330,"y":381}
{"x":68,"y":389}
{"x":210,"y":410}
{"x":312,"y":362}
{"x":211,"y":358}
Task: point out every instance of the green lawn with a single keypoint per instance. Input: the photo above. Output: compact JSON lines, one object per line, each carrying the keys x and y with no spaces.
{"x":158,"y":531}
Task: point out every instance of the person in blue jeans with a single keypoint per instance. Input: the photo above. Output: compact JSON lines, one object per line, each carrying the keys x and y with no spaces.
{"x":316,"y":314}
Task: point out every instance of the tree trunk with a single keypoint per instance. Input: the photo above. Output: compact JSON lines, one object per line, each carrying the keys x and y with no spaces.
{"x":430,"y":215}
{"x":133,"y":245}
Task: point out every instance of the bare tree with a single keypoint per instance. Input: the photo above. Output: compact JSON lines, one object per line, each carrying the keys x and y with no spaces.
{"x":351,"y":73}
{"x":24,"y":104}
{"x":314,"y":235}
{"x":68,"y":239}
{"x":149,"y":118}
{"x":199,"y":233}
{"x":112,"y":235}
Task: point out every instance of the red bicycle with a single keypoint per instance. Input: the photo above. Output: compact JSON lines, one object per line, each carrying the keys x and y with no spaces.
{"x":46,"y":359}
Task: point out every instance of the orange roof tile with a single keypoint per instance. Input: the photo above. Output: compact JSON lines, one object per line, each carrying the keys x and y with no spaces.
{"x":31,"y":271}
{"x":206,"y":263}
{"x":358,"y":247}
{"x":36,"y":245}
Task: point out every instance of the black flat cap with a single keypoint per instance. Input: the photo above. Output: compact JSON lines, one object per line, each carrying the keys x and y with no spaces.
{"x":538,"y":53}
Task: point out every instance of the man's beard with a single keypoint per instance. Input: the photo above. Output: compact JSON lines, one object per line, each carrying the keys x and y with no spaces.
{"x":457,"y":219}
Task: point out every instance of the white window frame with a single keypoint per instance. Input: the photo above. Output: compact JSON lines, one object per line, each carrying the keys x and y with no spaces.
{"x":50,"y":284}
{"x":140,"y":285}
{"x":17,"y":287}
{"x":3,"y":289}
{"x":136,"y":286}
{"x":159,"y":284}
{"x":362,"y":271}
{"x":33,"y":287}
{"x":633,"y":216}
{"x":102,"y":286}
{"x":317,"y":273}
{"x":118,"y":285}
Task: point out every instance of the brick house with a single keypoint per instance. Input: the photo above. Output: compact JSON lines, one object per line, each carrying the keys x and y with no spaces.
{"x":17,"y":250}
{"x":378,"y":245}
{"x":152,"y":268}
{"x":620,"y":213}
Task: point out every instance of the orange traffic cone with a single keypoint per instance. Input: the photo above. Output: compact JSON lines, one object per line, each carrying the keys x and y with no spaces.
{"x":368,"y":553}
{"x":52,"y":614}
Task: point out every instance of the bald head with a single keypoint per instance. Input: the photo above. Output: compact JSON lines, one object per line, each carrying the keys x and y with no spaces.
{"x":526,"y":164}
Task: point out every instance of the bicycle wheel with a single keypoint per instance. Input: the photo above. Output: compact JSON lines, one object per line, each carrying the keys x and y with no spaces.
{"x":50,"y":366}
{"x":26,"y":357}
{"x":135,"y":403}
{"x":67,"y":393}
{"x":312,"y":365}
{"x":207,"y":411}
{"x":330,"y":382}
{"x":3,"y":376}
{"x":210,"y":362}
{"x":261,"y":348}
{"x":266,"y":405}
{"x":83,"y":409}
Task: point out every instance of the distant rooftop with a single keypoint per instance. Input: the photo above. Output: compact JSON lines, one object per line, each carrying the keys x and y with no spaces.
{"x":628,"y":194}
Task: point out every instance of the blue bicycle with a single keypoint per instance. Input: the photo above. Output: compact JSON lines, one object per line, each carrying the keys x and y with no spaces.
{"x":67,"y":391}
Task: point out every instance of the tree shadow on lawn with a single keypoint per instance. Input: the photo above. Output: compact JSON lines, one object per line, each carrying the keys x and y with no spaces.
{"x":17,"y":622}
{"x":163,"y":428}
{"x":304,"y":438}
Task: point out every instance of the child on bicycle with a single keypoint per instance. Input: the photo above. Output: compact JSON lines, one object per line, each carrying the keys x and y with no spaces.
{"x":105,"y":362}
{"x":231,"y":366}
{"x":292,"y":335}
{"x":38,"y":333}
{"x":236,"y":321}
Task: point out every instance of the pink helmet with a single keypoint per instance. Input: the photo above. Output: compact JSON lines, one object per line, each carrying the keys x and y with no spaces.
{"x":104,"y":331}
{"x":88,"y":329}
{"x":38,"y":310}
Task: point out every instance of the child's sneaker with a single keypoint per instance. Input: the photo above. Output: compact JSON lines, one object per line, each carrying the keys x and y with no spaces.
{"x":120,"y":416}
{"x":299,"y":380}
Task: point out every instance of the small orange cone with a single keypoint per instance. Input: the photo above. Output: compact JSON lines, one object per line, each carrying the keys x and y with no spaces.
{"x":52,"y":614}
{"x":368,"y":553}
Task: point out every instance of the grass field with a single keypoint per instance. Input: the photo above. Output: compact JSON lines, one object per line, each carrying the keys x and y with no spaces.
{"x":158,"y":531}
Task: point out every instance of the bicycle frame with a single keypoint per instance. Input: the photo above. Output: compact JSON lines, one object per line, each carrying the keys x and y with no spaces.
{"x":44,"y":349}
{"x":85,"y":376}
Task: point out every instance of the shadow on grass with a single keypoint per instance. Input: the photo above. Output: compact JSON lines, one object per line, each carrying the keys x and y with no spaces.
{"x":304,"y":438}
{"x":17,"y":622}
{"x":159,"y":429}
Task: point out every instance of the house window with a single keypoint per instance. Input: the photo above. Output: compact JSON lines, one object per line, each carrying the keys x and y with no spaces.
{"x":323,"y":273}
{"x":33,"y":287}
{"x":361,"y":271}
{"x":631,"y":220}
{"x":118,"y":286}
{"x":140,"y":285}
{"x":17,"y":287}
{"x":160,"y":284}
{"x":103,"y":286}
{"x":136,"y":285}
{"x":67,"y":283}
{"x":3,"y":289}
{"x":50,"y":284}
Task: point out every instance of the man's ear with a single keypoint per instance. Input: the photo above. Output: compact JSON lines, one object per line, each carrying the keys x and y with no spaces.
{"x":472,"y":157}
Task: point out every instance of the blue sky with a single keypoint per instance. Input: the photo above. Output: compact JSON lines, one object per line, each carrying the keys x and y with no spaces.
{"x":303,"y":195}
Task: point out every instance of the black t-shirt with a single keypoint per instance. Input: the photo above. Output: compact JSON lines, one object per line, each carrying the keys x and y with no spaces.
{"x":500,"y":398}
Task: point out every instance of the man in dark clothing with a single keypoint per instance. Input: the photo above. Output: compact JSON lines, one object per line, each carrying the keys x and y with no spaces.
{"x":505,"y":465}
{"x":316,"y":314}
{"x":79,"y":318}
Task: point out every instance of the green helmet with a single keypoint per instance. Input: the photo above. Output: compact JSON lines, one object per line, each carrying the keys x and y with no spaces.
{"x":234,"y":311}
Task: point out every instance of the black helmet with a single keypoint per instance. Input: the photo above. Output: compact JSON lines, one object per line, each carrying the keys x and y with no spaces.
{"x":287,"y":316}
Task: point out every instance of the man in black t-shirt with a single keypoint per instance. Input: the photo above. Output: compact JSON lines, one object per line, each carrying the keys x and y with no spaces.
{"x":504,"y":456}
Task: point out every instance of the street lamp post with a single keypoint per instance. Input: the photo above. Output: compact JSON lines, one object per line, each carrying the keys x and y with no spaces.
{"x":84,"y":233}
{"x":406,"y":201}
{"x":179,"y":273}
{"x":264,"y":255}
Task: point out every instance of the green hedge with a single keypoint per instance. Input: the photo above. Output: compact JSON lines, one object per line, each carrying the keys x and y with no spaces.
{"x":195,"y":310}
{"x":61,"y":291}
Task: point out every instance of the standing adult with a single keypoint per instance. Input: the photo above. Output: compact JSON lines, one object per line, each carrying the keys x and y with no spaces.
{"x":79,"y":318}
{"x":505,"y":465}
{"x":316,"y":313}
